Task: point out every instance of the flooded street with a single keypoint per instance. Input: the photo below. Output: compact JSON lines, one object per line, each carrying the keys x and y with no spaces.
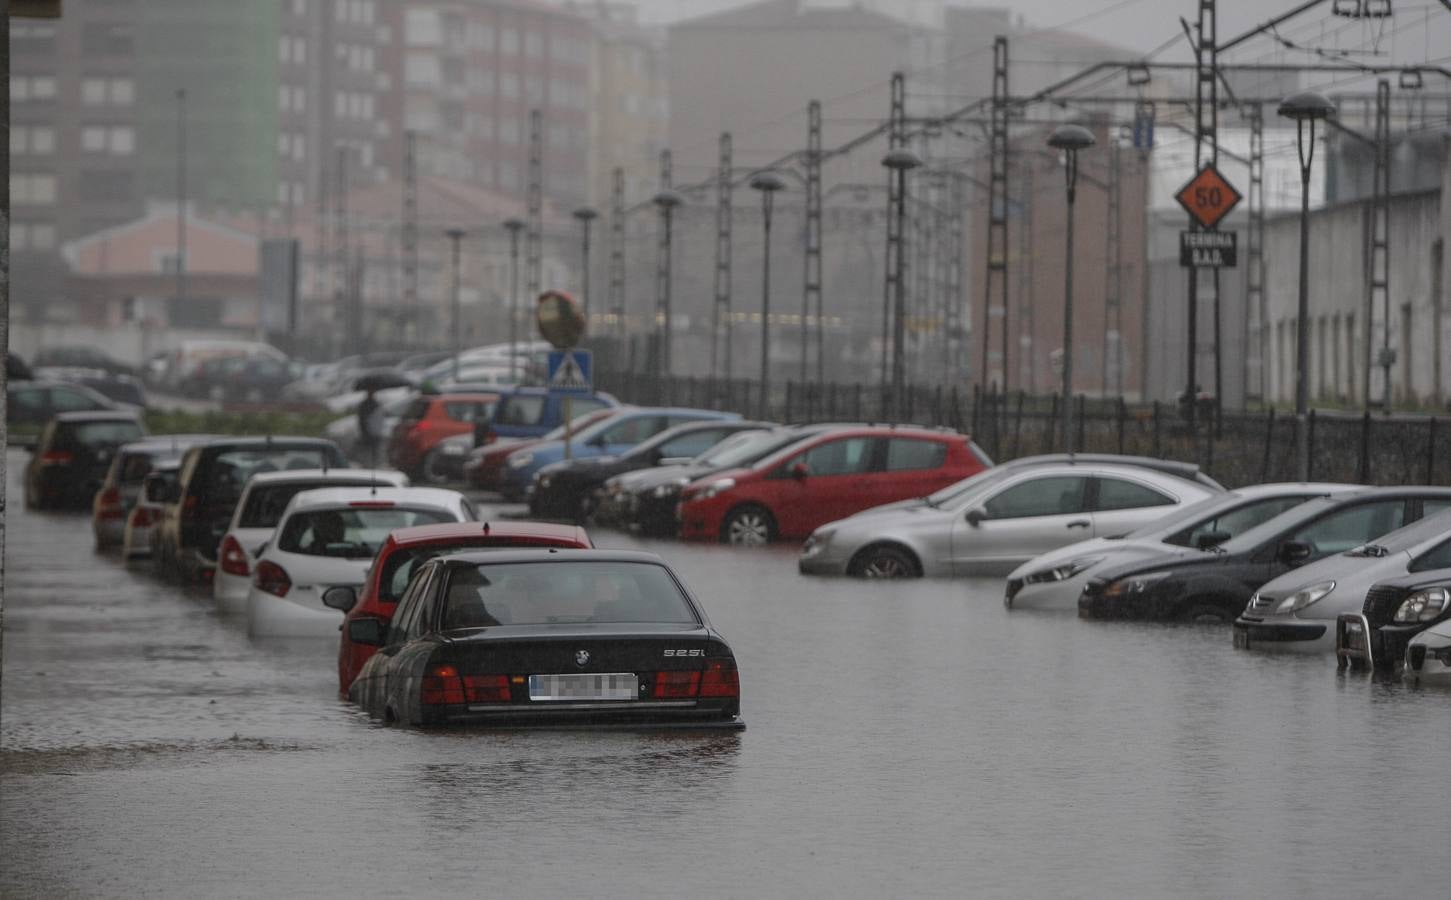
{"x":903,"y":739}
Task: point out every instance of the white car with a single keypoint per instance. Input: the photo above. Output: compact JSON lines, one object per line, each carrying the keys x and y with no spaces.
{"x":998,"y":519}
{"x":258,"y":510}
{"x":328,"y":538}
{"x":146,"y":513}
{"x":1055,"y":579}
{"x":1428,"y":656}
{"x":1297,"y":611}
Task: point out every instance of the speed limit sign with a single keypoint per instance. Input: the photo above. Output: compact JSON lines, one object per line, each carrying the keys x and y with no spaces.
{"x":1208,"y":197}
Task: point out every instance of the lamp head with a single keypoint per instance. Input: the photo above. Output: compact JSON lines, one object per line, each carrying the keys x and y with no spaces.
{"x":901,"y":159}
{"x":767,"y":181}
{"x":514,"y":224}
{"x":586,"y":214}
{"x":668,"y":199}
{"x":1310,"y":105}
{"x":1071,"y":137}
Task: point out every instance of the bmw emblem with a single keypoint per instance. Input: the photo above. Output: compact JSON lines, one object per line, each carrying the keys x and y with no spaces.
{"x":581,"y":658}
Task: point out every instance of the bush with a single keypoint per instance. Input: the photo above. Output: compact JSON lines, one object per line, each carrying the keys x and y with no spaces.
{"x":300,"y":424}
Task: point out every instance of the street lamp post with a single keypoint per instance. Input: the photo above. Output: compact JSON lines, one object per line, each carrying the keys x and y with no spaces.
{"x":514,"y":227}
{"x":899,"y":162}
{"x":1304,"y":108}
{"x":768,"y":183}
{"x":456,"y":235}
{"x":1069,"y":139}
{"x":585,"y":215}
{"x":666,"y":201}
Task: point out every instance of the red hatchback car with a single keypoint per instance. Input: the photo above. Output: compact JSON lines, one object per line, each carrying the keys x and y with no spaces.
{"x":405,"y":551}
{"x":429,"y":419}
{"x":824,"y":478}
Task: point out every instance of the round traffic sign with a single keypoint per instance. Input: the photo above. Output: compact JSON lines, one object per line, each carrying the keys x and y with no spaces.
{"x":559,"y":319}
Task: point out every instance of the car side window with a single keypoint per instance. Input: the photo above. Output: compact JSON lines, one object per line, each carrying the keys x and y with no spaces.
{"x":910,"y":454}
{"x":845,"y":456}
{"x":1438,"y":557}
{"x":408,"y":607}
{"x":1116,"y":493}
{"x":523,"y":409}
{"x":1346,"y":529}
{"x":1053,"y":496}
{"x":1237,"y":521}
{"x":693,"y":444}
{"x":634,"y":430}
{"x":66,"y":400}
{"x":1432,"y":505}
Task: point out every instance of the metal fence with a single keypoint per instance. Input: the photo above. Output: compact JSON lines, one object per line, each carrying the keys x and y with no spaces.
{"x":1236,"y":448}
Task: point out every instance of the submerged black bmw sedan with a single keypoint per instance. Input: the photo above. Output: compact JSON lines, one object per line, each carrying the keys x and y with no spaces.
{"x":548,"y":637}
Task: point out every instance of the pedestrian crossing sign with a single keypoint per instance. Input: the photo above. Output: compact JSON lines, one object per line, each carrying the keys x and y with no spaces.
{"x":571,"y":371}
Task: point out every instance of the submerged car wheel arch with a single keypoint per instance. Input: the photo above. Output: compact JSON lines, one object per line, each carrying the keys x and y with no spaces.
{"x":858,"y":560}
{"x":1205,"y":592}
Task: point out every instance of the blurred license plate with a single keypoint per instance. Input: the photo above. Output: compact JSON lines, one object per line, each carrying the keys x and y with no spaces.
{"x":624,"y":686}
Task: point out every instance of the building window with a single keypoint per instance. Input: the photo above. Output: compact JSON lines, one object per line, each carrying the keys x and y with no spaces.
{"x":35,"y":189}
{"x":533,"y":45}
{"x":123,"y":91}
{"x":422,"y":70}
{"x":509,"y":86}
{"x":423,"y":28}
{"x":93,"y":138}
{"x":35,"y":87}
{"x":121,"y":140}
{"x":509,"y":41}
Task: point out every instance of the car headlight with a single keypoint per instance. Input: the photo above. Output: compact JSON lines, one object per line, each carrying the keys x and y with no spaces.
{"x":1423,"y":606}
{"x":1305,"y":597}
{"x":1065,"y":571}
{"x":817,"y":542}
{"x":542,"y":480}
{"x":716,"y":488}
{"x":520,"y":460}
{"x":668,"y":490}
{"x":1134,"y":584}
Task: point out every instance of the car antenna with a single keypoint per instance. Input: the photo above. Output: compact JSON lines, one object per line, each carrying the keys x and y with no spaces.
{"x":373,"y":478}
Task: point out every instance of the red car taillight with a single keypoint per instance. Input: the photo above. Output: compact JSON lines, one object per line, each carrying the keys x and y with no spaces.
{"x":720,"y":679}
{"x":233,"y":559}
{"x":443,"y":686}
{"x":272,"y":578}
{"x":674,"y":685}
{"x":108,"y":504}
{"x":188,"y":509}
{"x":56,"y":458}
{"x":143,"y":517}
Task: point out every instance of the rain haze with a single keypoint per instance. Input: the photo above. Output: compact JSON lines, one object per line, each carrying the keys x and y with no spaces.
{"x":458,"y":447}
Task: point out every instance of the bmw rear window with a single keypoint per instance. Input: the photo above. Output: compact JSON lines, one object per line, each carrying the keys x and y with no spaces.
{"x":563,"y":593}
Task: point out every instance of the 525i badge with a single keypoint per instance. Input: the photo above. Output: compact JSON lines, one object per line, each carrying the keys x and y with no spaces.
{"x":684,"y":652}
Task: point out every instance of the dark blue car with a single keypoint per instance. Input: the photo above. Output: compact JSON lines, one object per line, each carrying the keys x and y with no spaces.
{"x":531,"y":412}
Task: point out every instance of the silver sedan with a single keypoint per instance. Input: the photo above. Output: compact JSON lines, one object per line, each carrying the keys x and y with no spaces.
{"x":995,"y":521}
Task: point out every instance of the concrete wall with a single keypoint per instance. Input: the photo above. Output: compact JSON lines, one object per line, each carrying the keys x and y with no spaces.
{"x":1339,"y":298}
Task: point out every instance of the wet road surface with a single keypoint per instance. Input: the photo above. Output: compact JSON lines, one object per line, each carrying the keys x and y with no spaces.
{"x":904,"y":739}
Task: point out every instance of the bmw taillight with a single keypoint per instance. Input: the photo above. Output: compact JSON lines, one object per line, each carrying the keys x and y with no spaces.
{"x":675,"y":685}
{"x":272,"y":578}
{"x":486,"y":688}
{"x":56,"y":458}
{"x":233,"y":559}
{"x":720,"y":679}
{"x":108,"y":504}
{"x":443,"y":685}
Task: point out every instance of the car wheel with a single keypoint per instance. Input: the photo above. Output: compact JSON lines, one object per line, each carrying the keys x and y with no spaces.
{"x":432,"y":470}
{"x":748,"y":526}
{"x":884,"y":562}
{"x":1202,"y":613}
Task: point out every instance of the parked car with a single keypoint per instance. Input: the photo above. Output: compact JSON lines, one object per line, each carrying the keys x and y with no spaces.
{"x":74,"y":451}
{"x":484,"y":467}
{"x":831,"y":476}
{"x":123,"y":390}
{"x":344,"y":432}
{"x":610,"y":437}
{"x":404,"y":553}
{"x":429,"y":419}
{"x":119,"y":489}
{"x":81,"y":356}
{"x":547,"y":637}
{"x":993,"y":522}
{"x":256,"y":515}
{"x":567,"y":488}
{"x":1213,"y":585}
{"x":252,"y":379}
{"x":1297,"y":611}
{"x":1428,"y":656}
{"x":531,"y":412}
{"x":146,"y":511}
{"x":31,"y":404}
{"x":645,"y":500}
{"x":1055,"y":579}
{"x":327,"y":538}
{"x":1395,"y":611}
{"x":183,"y":362}
{"x":212,"y":477}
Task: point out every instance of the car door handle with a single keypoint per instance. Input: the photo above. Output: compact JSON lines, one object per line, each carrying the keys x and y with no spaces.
{"x":1080,"y":523}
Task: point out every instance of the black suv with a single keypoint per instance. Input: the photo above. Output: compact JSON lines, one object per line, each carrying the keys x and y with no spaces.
{"x":199,"y":506}
{"x":72,"y":456}
{"x":1395,"y":611}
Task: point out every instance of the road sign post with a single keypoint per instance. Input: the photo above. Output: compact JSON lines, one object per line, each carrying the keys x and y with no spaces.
{"x":1208,"y":197}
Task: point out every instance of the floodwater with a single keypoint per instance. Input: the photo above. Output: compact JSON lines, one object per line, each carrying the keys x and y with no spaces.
{"x":904,"y":739}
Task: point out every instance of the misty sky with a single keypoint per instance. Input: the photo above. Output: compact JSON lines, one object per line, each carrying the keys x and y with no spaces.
{"x":1142,"y":25}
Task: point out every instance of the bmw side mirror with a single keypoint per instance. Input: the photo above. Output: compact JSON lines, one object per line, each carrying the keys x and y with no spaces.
{"x":367,"y":630}
{"x":340,"y":598}
{"x":1293,"y":553}
{"x":975,"y":517}
{"x":800,"y":471}
{"x":1208,"y":539}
